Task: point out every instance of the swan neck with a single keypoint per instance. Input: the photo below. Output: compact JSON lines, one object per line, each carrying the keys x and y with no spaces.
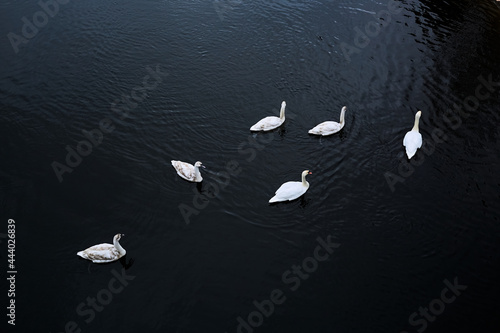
{"x":342,"y":114}
{"x":117,"y":245}
{"x":415,"y":126}
{"x":282,"y":112}
{"x":304,"y":182}
{"x":197,"y":173}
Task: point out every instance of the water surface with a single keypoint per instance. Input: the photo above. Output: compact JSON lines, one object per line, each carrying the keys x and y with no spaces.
{"x":223,"y":67}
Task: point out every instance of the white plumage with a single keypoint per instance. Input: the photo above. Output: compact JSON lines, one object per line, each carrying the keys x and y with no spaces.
{"x":413,"y":139}
{"x":188,"y":171}
{"x":291,"y":190}
{"x":271,"y":122}
{"x":329,"y":127}
{"x":103,"y":253}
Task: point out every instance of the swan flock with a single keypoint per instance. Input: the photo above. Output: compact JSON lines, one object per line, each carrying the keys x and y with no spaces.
{"x":293,"y":190}
{"x":288,"y":191}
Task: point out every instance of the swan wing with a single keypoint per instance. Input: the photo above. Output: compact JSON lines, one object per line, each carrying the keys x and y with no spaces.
{"x":412,"y":141}
{"x":289,"y":191}
{"x":326,"y":128}
{"x":267,"y":124}
{"x":184,"y":170}
{"x":100,"y":253}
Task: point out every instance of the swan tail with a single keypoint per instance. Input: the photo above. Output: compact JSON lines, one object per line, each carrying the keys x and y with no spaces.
{"x":409,"y":153}
{"x":257,"y":128}
{"x":274,"y":199}
{"x":315,"y":131}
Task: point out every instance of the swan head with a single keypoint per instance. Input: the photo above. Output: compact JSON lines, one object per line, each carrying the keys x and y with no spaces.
{"x":283,"y":104}
{"x":418,"y":114}
{"x":198,"y":164}
{"x":118,"y":237}
{"x":304,"y":174}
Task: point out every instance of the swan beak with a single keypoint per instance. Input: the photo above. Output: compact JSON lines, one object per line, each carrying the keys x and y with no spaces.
{"x":310,"y":173}
{"x":123,"y":235}
{"x":204,"y":167}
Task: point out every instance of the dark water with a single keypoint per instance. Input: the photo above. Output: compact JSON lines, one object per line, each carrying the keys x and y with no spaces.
{"x":403,"y":232}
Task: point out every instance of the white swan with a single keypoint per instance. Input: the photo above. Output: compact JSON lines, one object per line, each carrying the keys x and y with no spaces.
{"x":329,"y":127}
{"x":270,"y":123}
{"x":188,"y":171}
{"x":291,"y":190}
{"x":413,"y":139}
{"x":102,"y":253}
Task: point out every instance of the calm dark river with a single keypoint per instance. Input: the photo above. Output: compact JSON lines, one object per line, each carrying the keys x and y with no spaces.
{"x":96,"y":98}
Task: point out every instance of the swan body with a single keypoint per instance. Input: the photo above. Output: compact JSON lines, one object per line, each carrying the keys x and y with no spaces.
{"x":413,"y":139}
{"x":103,"y":253}
{"x":291,"y":190}
{"x":329,"y":127}
{"x":188,"y":171}
{"x":270,"y":123}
